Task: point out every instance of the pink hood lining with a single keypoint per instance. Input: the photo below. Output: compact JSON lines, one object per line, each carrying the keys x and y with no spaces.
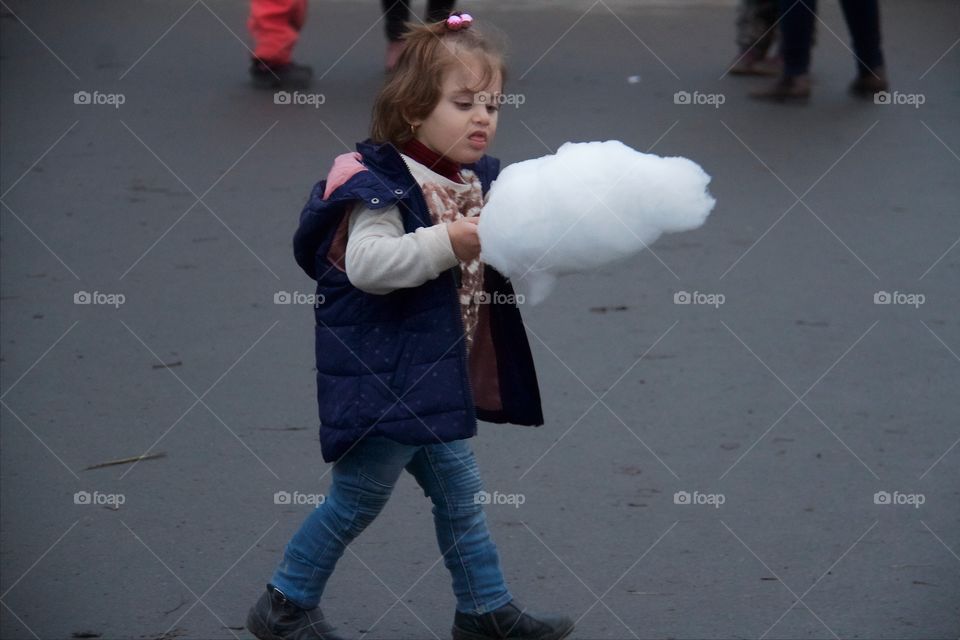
{"x":345,"y":166}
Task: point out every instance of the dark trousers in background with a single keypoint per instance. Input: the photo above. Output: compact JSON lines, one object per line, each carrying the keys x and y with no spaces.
{"x":397,"y":12}
{"x":797,"y":24}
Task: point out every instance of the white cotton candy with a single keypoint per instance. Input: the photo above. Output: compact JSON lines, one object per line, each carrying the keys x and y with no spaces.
{"x":587,"y":205}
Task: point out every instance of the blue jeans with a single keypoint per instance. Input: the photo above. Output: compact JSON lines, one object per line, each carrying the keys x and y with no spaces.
{"x":362,"y":482}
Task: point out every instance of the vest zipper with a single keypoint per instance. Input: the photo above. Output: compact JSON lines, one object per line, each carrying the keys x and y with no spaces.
{"x":454,"y":273}
{"x":464,"y":356}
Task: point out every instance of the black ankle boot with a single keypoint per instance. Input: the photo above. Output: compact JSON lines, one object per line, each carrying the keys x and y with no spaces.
{"x":276,"y":618}
{"x":510,"y":621}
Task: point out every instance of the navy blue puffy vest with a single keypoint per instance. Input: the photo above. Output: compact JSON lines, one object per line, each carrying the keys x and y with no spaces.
{"x":395,"y":365}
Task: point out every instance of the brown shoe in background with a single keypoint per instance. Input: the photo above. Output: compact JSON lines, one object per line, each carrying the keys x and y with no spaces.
{"x":786,"y":89}
{"x":868,"y":84}
{"x":752,"y":64}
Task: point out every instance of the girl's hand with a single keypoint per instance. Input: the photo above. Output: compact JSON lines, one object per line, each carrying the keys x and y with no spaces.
{"x":464,"y":238}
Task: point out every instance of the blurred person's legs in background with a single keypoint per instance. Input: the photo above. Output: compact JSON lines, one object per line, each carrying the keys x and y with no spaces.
{"x":796,"y":39}
{"x":798,"y":18}
{"x":396,"y":14}
{"x":756,"y":35}
{"x":863,"y":22}
{"x":796,"y":28}
{"x":275,"y":26}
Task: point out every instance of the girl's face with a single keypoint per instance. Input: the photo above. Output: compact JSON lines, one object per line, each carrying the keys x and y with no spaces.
{"x":464,"y":121}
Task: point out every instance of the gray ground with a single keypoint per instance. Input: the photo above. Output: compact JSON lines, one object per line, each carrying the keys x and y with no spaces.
{"x":796,"y":400}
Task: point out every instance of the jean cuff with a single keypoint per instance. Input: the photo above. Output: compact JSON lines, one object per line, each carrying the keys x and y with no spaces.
{"x":292,"y":596}
{"x":493,"y":605}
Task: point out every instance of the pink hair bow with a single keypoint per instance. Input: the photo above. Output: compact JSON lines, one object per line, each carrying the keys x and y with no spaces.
{"x":459,"y":21}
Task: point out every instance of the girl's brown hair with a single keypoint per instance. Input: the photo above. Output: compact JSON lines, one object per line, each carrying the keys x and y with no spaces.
{"x":414,"y":88}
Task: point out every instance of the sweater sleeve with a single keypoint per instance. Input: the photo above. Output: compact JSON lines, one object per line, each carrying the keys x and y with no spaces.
{"x":380,"y":257}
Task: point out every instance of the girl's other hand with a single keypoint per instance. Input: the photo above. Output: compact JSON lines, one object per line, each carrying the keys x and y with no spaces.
{"x":464,"y":238}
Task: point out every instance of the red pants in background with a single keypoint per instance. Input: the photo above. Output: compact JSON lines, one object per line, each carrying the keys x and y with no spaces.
{"x":275,"y":26}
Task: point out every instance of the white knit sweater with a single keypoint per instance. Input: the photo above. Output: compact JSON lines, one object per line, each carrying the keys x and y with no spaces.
{"x":381,"y":257}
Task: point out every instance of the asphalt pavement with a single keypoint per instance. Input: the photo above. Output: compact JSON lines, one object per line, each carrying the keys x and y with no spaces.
{"x":751,"y":429}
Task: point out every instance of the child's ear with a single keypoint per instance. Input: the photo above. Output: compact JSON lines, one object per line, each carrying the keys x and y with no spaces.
{"x":414,"y":125}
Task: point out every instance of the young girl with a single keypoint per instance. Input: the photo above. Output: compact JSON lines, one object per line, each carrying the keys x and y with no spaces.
{"x":414,"y":338}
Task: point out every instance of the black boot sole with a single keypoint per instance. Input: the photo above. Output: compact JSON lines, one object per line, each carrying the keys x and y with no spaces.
{"x":256,"y":626}
{"x":559,"y":634}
